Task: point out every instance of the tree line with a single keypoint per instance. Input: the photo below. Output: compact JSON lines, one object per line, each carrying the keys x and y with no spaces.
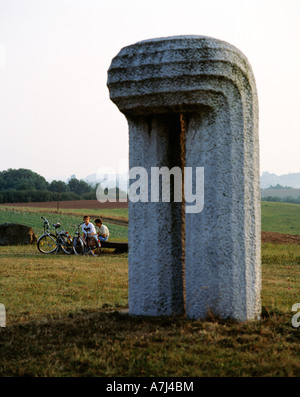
{"x":276,"y":199}
{"x":23,"y":186}
{"x":280,"y":198}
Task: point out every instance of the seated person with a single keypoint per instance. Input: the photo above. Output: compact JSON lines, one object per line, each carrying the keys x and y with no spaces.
{"x":102,"y":230}
{"x":88,"y":228}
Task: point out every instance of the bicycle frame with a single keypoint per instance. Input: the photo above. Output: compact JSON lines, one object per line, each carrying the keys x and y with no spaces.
{"x":56,"y":240}
{"x":77,"y":237}
{"x":85,"y":247}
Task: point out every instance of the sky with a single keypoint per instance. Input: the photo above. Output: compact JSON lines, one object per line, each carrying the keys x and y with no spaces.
{"x":56,"y":117}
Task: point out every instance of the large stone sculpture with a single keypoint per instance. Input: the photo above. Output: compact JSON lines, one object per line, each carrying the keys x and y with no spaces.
{"x":191,"y":101}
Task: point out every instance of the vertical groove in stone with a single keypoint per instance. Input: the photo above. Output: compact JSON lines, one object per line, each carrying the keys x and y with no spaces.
{"x":182,"y":160}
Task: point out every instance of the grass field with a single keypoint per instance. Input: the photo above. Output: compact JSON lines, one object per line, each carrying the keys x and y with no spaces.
{"x":280,"y":217}
{"x":65,"y":317}
{"x":117,"y":214}
{"x":67,"y":218}
{"x":276,"y":217}
{"x":36,"y":287}
{"x":61,"y":321}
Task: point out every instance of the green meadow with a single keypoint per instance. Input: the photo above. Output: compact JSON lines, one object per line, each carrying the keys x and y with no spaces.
{"x":280,"y":217}
{"x":67,"y":315}
{"x":67,"y":218}
{"x":275,"y":217}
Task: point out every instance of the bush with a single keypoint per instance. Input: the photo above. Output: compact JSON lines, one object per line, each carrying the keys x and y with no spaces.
{"x":68,"y":196}
{"x":24,"y":186}
{"x":22,"y":179}
{"x":89,"y":196}
{"x":79,"y":187}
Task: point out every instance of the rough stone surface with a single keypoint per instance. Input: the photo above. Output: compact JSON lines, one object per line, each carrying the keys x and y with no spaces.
{"x":154,"y":239}
{"x":212,"y":84}
{"x":14,"y":234}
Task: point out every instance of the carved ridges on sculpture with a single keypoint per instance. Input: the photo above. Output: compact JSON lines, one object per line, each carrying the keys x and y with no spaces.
{"x":196,"y":47}
{"x":160,"y":66}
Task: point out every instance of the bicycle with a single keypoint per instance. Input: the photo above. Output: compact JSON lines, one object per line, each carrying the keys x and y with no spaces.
{"x":85,"y":247}
{"x":49,"y":243}
{"x":78,"y":242}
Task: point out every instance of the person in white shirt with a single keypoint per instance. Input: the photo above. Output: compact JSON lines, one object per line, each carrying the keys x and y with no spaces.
{"x":88,"y":228}
{"x":102,"y":230}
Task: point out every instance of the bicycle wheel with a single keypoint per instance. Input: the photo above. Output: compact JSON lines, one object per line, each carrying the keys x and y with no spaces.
{"x":78,"y":246}
{"x":95,"y":248}
{"x":47,"y":244}
{"x":66,"y":244}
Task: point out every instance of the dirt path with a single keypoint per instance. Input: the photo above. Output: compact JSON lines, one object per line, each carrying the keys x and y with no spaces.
{"x":279,"y":238}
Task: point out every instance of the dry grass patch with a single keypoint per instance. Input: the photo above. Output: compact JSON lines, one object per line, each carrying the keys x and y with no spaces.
{"x":37,"y":287}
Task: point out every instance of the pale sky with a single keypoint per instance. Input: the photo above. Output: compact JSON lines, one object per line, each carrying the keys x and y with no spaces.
{"x":56,"y":117}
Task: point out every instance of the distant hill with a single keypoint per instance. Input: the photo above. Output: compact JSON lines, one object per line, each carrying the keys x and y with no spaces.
{"x":291,"y":180}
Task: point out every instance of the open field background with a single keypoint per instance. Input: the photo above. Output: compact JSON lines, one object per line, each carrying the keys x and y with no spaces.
{"x":66,"y":315}
{"x":115,"y":219}
{"x":282,"y":193}
{"x":78,"y":204}
{"x":276,"y":217}
{"x":280,"y":217}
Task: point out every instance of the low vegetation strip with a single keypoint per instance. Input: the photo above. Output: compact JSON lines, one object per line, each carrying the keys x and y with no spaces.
{"x":281,"y":193}
{"x":73,"y":204}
